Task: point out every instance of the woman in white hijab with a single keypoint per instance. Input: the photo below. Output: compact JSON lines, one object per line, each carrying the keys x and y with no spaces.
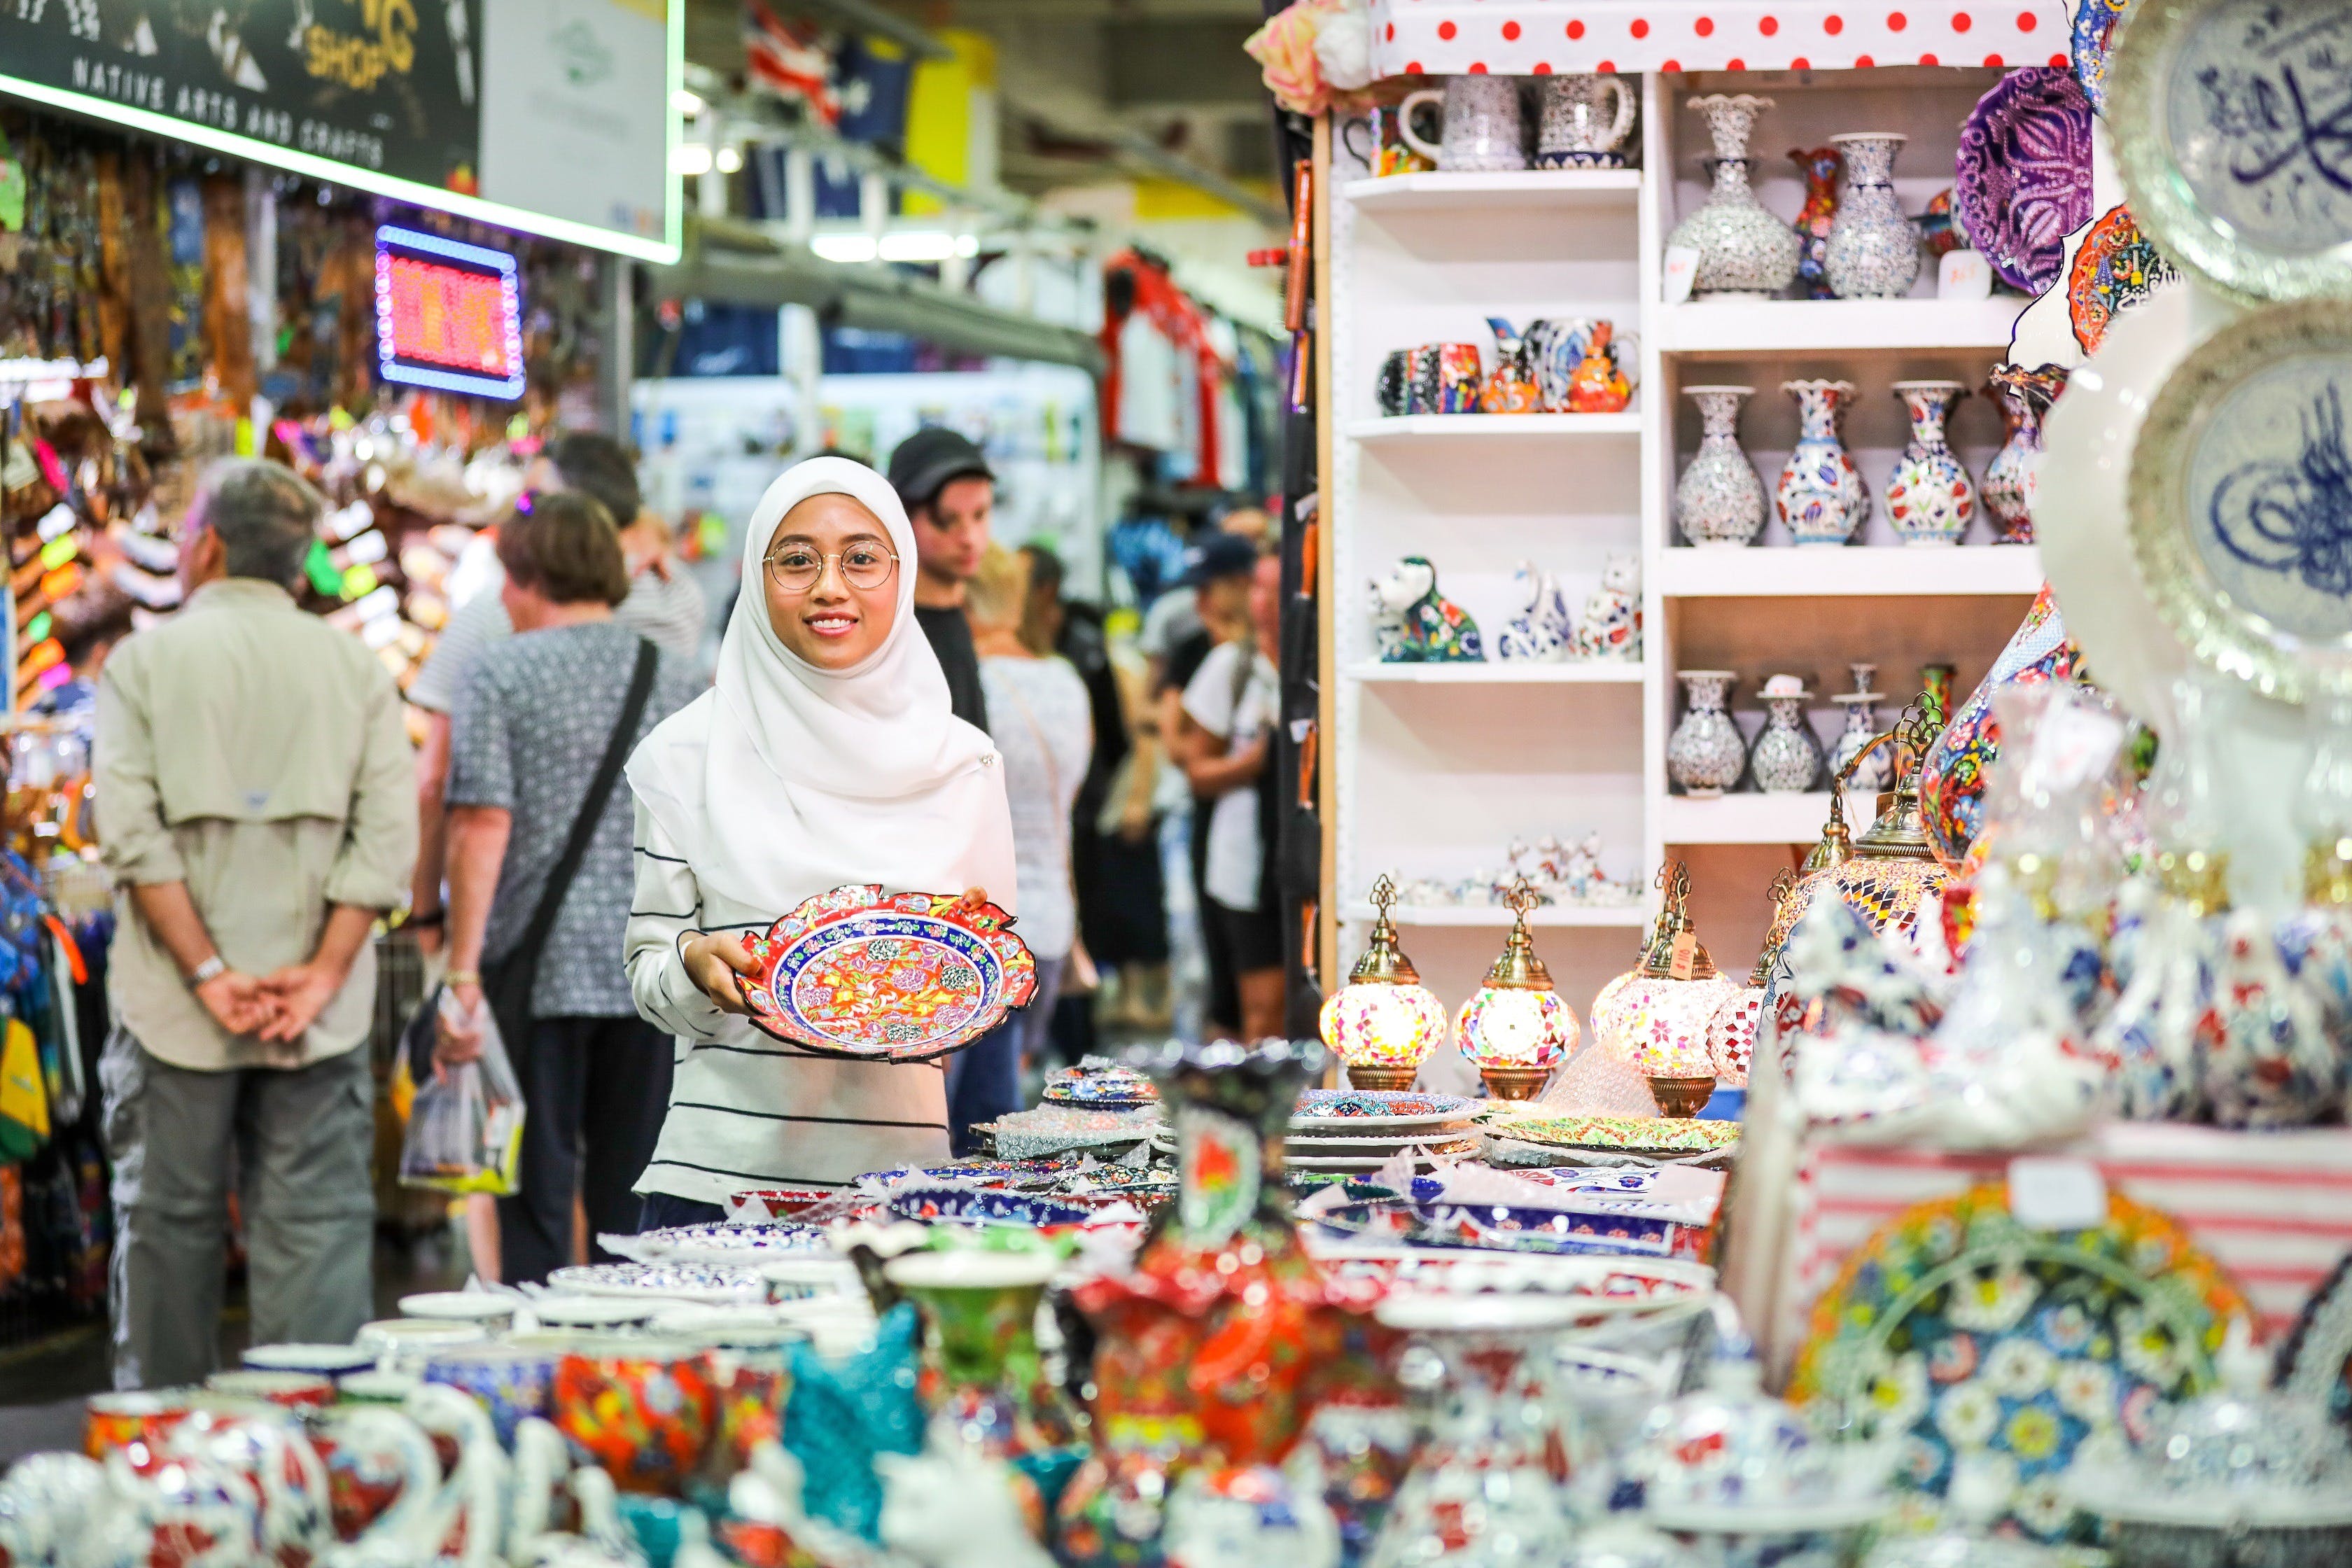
{"x":825,"y":755}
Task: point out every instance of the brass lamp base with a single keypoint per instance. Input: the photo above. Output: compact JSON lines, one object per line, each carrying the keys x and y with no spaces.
{"x":1514,"y":1083}
{"x":1382,"y":1078}
{"x":1682,"y":1097}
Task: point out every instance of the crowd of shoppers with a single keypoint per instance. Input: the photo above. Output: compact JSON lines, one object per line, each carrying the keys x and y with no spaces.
{"x":589,"y":828}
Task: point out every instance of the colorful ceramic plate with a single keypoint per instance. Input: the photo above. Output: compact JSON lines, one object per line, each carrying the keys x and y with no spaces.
{"x":2236,"y":499}
{"x":982,"y":1205}
{"x":1632,"y":1134}
{"x":2024,"y":179}
{"x":904,"y":978}
{"x":1501,"y":1228}
{"x":756,"y":1204}
{"x":1358,"y":1108}
{"x":2116,"y":267}
{"x":2096,"y":25}
{"x":727,"y":1243}
{"x":1106,"y":1088}
{"x":2316,"y":1360}
{"x":1987,"y":1348}
{"x":2229,"y":124}
{"x":685,"y":1281}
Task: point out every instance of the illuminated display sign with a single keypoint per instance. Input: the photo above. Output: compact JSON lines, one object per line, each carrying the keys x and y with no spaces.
{"x":448,"y":316}
{"x":550,"y":117}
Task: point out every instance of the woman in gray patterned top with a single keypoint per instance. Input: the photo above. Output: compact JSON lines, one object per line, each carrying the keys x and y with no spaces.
{"x":537,"y":714}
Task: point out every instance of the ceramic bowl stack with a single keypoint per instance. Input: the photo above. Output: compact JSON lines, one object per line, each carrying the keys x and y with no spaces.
{"x":1355,"y":1133}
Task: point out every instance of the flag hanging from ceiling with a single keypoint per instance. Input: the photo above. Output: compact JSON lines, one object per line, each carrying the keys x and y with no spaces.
{"x":791,"y":61}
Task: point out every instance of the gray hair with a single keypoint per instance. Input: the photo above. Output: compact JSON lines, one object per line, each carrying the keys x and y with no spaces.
{"x":266,"y":515}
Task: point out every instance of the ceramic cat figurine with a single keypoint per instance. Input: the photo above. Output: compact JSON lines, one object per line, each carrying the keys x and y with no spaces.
{"x":950,"y":1507}
{"x":1541,"y":630}
{"x":1610,"y":626}
{"x":1433,"y":630}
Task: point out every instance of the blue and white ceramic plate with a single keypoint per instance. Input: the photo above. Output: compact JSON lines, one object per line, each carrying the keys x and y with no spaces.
{"x":684,"y":1281}
{"x":2233,"y":125}
{"x":982,"y":1205}
{"x":2239,"y":515}
{"x":728,"y":1242}
{"x":1337,"y":1110}
{"x":1499,"y":1229}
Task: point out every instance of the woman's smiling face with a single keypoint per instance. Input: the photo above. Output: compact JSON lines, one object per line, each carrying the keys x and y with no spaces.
{"x":832,"y":582}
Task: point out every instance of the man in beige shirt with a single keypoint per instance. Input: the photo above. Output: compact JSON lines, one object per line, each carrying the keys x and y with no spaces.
{"x":257,"y":808}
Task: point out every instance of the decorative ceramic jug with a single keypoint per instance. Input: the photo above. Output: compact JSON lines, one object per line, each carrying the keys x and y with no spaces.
{"x":1597,"y":386}
{"x":1821,"y":498}
{"x":1705,"y":754}
{"x":847,"y":1412}
{"x":1719,"y":500}
{"x":1786,"y":758}
{"x":1861,"y":707}
{"x":1511,"y":386}
{"x":1487,"y":1486}
{"x":2009,"y":480}
{"x":1585,"y":119}
{"x":1215,"y":1349}
{"x":1873,"y":251}
{"x":1821,"y":167}
{"x":1482,"y":133}
{"x":1952,"y":780}
{"x":1929,"y":499}
{"x":1744,"y":252}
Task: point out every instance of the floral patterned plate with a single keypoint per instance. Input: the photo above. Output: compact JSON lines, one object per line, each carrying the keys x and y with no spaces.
{"x":1997,"y":1352}
{"x":906,"y":978}
{"x":1502,"y":1228}
{"x":2024,"y":173}
{"x":2096,"y":22}
{"x":2316,"y":1360}
{"x":683,"y":1281}
{"x":984,"y":1205}
{"x":1108,"y":1088}
{"x":2115,"y":269}
{"x":1364,"y":1109}
{"x":726,"y":1242}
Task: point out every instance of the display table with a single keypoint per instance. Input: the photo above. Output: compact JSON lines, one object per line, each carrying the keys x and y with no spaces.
{"x":2272,"y":1208}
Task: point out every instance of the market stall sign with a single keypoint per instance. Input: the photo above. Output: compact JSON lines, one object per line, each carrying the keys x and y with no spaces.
{"x":448,"y":316}
{"x":569,"y":137}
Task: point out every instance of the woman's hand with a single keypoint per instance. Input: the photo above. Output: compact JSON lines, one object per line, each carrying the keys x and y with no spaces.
{"x":712,"y":961}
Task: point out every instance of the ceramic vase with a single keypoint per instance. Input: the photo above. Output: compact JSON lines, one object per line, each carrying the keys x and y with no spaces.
{"x":1822,"y":168}
{"x":1930,"y":499}
{"x":1705,"y":754}
{"x":1744,"y":252}
{"x":1861,"y":707}
{"x":1821,"y":498}
{"x":1719,"y":500}
{"x":1487,"y":1486}
{"x":2009,"y":480}
{"x":1873,"y":251}
{"x":1786,"y":758}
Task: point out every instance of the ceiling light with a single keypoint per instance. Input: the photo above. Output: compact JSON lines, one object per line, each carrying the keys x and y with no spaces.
{"x":844,"y":248}
{"x":689,"y":158}
{"x":730,"y":159}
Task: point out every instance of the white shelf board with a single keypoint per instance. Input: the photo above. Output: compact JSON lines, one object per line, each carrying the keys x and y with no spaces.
{"x":1496,"y":672}
{"x":1834,"y":326}
{"x":1420,"y":429}
{"x":1572,"y":915}
{"x":1397,"y":192}
{"x":1834,"y":572}
{"x":1756,"y":818}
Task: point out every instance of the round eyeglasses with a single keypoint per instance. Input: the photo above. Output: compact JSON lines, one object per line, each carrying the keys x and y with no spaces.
{"x":797,"y":567}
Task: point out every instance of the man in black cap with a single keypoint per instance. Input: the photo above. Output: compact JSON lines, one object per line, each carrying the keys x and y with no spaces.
{"x":949,"y":493}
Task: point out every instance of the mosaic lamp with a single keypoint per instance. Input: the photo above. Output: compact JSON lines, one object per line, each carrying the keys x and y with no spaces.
{"x":1384,"y":1022}
{"x":1517,"y":1028}
{"x":1657,"y":1022}
{"x":1892,"y":875}
{"x":1731,"y":1033}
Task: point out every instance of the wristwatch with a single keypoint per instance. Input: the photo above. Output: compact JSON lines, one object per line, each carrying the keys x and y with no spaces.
{"x":212,"y":968}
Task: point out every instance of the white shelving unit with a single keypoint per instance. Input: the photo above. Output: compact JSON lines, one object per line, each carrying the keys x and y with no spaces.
{"x":1436,"y":768}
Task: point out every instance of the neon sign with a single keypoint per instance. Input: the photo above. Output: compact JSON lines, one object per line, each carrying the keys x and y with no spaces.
{"x":448,"y":316}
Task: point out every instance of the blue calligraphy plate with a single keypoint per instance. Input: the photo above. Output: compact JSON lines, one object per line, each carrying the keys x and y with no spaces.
{"x":2232,"y":124}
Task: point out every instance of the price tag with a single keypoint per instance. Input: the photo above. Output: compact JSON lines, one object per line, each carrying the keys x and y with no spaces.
{"x":2047,"y":1192}
{"x":1965,"y":275}
{"x":1686,"y":959}
{"x":1682,"y":271}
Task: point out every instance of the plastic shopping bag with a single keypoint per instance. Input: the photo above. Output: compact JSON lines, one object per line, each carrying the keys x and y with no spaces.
{"x":464,"y":1128}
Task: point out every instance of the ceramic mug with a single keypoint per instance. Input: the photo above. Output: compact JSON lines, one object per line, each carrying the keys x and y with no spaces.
{"x":1382,"y":147}
{"x":1483,"y":128}
{"x":642,"y":1408}
{"x":1585,"y":122}
{"x":1460,"y":375}
{"x":320,"y":1361}
{"x":510,"y":1382}
{"x":267,"y":1450}
{"x":405,"y":1344}
{"x":288,"y":1390}
{"x":116,"y":1423}
{"x":1394,"y":390}
{"x":383,"y":1474}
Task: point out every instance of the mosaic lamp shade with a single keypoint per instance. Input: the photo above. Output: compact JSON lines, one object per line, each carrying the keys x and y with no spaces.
{"x":1384,"y":1022}
{"x":1731,"y":1033}
{"x":1517,"y":1028}
{"x":1892,"y":875}
{"x":1657,"y":1022}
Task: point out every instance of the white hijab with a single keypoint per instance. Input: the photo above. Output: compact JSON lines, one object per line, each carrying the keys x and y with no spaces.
{"x":785,"y":780}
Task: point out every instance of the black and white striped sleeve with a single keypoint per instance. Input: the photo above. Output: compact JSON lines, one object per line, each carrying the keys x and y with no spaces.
{"x":667,"y":906}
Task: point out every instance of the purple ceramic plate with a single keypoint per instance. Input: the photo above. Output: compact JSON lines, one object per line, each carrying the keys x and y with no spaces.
{"x":2023,"y":178}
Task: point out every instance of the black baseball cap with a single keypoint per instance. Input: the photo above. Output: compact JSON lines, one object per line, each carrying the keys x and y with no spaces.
{"x":1217,"y":554}
{"x":925,"y":460}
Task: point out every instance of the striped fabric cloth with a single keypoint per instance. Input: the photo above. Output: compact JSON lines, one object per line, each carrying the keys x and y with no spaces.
{"x":2274,"y":1209}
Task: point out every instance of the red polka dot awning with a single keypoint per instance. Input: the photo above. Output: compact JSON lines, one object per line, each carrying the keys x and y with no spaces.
{"x":1537,"y":38}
